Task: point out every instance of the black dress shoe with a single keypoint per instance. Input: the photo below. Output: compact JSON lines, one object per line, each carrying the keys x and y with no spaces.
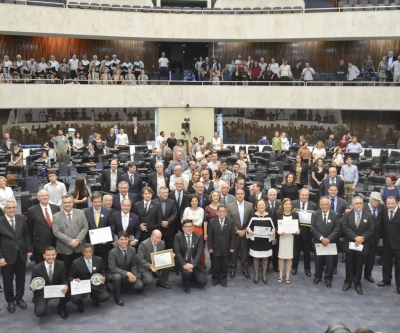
{"x":120,"y":302}
{"x":95,"y":301}
{"x":255,"y":281}
{"x":359,"y":290}
{"x":328,"y":284}
{"x":63,"y":313}
{"x":186,"y":290}
{"x":308,"y":272}
{"x":294,"y":271}
{"x":163,"y":284}
{"x":316,"y":281}
{"x":22,"y":304}
{"x":383,"y":283}
{"x":265,"y":281}
{"x":346,"y":287}
{"x":246,"y":274}
{"x":81,"y":308}
{"x":210,"y":271}
{"x":334,"y":271}
{"x":369,"y":278}
{"x":232,"y":274}
{"x":214,"y":283}
{"x":224,"y":284}
{"x":11,"y":307}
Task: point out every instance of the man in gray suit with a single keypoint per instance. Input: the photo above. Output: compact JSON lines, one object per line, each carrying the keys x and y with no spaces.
{"x":123,"y":267}
{"x":70,"y":228}
{"x":226,"y":198}
{"x":240,"y":212}
{"x":145,"y":267}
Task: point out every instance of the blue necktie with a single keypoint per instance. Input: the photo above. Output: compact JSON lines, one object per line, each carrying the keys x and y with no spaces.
{"x":333,"y":204}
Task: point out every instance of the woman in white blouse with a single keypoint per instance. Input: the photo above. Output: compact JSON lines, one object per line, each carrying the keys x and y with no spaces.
{"x":319,"y":151}
{"x":6,"y":193}
{"x":77,"y":143}
{"x":284,"y":141}
{"x":196,"y":214}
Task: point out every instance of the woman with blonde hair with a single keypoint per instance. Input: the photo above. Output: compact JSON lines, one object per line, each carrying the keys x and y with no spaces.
{"x":6,"y":193}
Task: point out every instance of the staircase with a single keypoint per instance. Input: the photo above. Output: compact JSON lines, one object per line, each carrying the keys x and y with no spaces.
{"x":312,"y":4}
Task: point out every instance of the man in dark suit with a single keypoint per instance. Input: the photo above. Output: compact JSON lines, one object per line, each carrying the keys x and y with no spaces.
{"x":375,"y":208}
{"x":158,"y":179}
{"x":145,"y":267}
{"x":305,"y":239}
{"x":325,"y":228}
{"x":53,"y":272}
{"x":181,"y":200}
{"x":169,"y":213}
{"x":221,"y":243}
{"x":133,"y":179}
{"x":7,"y":144}
{"x":188,"y":248}
{"x":340,"y":71}
{"x":123,"y":267}
{"x":332,"y":179}
{"x":240,"y":184}
{"x":209,"y":185}
{"x":358,"y":228}
{"x":126,"y":221}
{"x":390,"y":236}
{"x":149,"y":212}
{"x":123,"y":194}
{"x":158,"y":159}
{"x":110,"y":178}
{"x":258,"y":187}
{"x":236,"y":173}
{"x":204,"y":199}
{"x":98,"y":217}
{"x":273,"y":206}
{"x":15,"y":247}
{"x":226,"y":198}
{"x":82,"y":269}
{"x":39,"y":222}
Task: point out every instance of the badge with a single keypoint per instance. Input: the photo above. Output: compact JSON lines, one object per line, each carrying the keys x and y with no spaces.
{"x":39,"y":283}
{"x":329,"y":221}
{"x":101,"y":215}
{"x":365,"y":220}
{"x":96,"y":279}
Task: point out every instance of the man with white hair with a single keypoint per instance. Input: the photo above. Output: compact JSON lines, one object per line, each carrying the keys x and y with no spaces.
{"x":54,"y":63}
{"x":158,"y":158}
{"x":178,"y":174}
{"x":192,"y":168}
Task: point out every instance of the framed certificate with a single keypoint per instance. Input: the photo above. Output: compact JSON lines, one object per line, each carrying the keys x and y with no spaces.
{"x":162,"y":259}
{"x":304,"y":216}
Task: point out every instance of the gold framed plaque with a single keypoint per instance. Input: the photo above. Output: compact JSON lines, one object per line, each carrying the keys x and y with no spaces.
{"x":162,"y":259}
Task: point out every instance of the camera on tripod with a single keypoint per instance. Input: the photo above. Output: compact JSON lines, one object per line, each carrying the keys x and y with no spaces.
{"x":186,"y":126}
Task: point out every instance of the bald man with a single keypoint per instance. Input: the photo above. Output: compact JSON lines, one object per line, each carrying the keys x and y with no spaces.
{"x":145,"y":267}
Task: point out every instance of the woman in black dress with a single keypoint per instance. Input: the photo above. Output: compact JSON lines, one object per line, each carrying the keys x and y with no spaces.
{"x":300,"y":169}
{"x":207,"y":75}
{"x":96,"y":147}
{"x":237,"y":77}
{"x":318,"y":174}
{"x":81,"y":194}
{"x":260,"y":247}
{"x":289,"y":188}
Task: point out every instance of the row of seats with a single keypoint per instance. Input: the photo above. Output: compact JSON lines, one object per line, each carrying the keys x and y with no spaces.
{"x":369,"y":7}
{"x":366,"y":2}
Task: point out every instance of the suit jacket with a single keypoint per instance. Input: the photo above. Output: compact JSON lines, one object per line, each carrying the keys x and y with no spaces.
{"x":391,"y":229}
{"x":323,"y":189}
{"x":233,"y":213}
{"x":206,"y":200}
{"x":184,"y":204}
{"x":273,"y":212}
{"x":40,"y":232}
{"x":246,"y":193}
{"x":253,"y":200}
{"x":65,"y":234}
{"x":137,"y":185}
{"x":117,"y":201}
{"x":303,"y":173}
{"x":104,"y":221}
{"x":133,"y":228}
{"x":165,"y":150}
{"x":79,"y":270}
{"x":170,"y":214}
{"x":366,"y":229}
{"x":59,"y":277}
{"x":152,"y":218}
{"x":4,"y":145}
{"x":106,"y":179}
{"x":180,"y":248}
{"x":305,"y":232}
{"x":377,"y":220}
{"x":341,"y":206}
{"x":153,"y":163}
{"x":118,"y":264}
{"x":152,"y":182}
{"x":330,"y":230}
{"x":229,"y":199}
{"x":10,"y":240}
{"x":239,"y":175}
{"x":221,"y":241}
{"x":143,"y":255}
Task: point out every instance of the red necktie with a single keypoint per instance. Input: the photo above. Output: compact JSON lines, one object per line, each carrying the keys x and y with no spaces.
{"x":48,"y":219}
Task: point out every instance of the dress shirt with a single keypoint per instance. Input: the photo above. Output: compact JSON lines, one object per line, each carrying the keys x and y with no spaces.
{"x":352,"y":73}
{"x":42,"y":66}
{"x":356,"y":215}
{"x":125,"y":220}
{"x":113,"y":181}
{"x":73,"y":64}
{"x":213,"y":166}
{"x":146,"y":203}
{"x":241,"y":211}
{"x":47,"y":265}
{"x":98,"y":210}
{"x":56,"y":192}
{"x":354,"y":148}
{"x":274,"y":67}
{"x":305,"y":205}
{"x":372,"y":209}
{"x":122,"y":197}
{"x":172,"y":165}
{"x":160,"y":181}
{"x":172,"y":180}
{"x":9,"y":220}
{"x":177,"y":196}
{"x":89,"y":263}
{"x":349,"y":173}
{"x":227,"y":177}
{"x":85,"y":63}
{"x":48,"y":211}
{"x":285,"y":70}
{"x":332,"y":180}
{"x":55,"y":64}
{"x":122,"y":139}
{"x":163,"y":61}
{"x":197,"y":216}
{"x":70,"y":213}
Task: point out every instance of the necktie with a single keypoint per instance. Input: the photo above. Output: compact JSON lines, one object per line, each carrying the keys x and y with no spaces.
{"x":12,"y":224}
{"x":89,"y":266}
{"x":374,"y":212}
{"x":96,"y":218}
{"x":333,"y":204}
{"x":221,"y":222}
{"x":224,"y":201}
{"x":124,"y":252}
{"x":332,"y":180}
{"x":69,"y":220}
{"x":189,"y":250}
{"x":132,"y":181}
{"x":163,"y":206}
{"x":179,"y":199}
{"x":390,"y":218}
{"x":303,"y":206}
{"x":358,"y":221}
{"x":325,"y":218}
{"x":47,"y":215}
{"x":146,"y":208}
{"x":273,"y":206}
{"x":51,"y":272}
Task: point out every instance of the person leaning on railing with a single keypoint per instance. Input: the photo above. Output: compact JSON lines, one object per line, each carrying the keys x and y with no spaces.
{"x":93,"y":77}
{"x":142,"y":78}
{"x":130,"y":78}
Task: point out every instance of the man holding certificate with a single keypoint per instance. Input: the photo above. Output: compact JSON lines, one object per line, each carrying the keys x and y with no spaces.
{"x":325,"y":228}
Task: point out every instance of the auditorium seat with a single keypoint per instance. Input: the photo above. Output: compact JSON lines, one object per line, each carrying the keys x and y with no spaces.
{"x":237,"y":10}
{"x":277,"y":10}
{"x":146,"y":9}
{"x":247,"y":10}
{"x":197,"y":10}
{"x":297,"y":9}
{"x":84,"y":5}
{"x":358,"y":7}
{"x":167,"y":9}
{"x":287,"y":10}
{"x":227,"y":10}
{"x":257,"y":10}
{"x":267,"y":10}
{"x":177,"y":10}
{"x":371,"y":7}
{"x":136,"y":8}
{"x":187,"y":10}
{"x":217,"y":10}
{"x":156,"y":9}
{"x":116,"y":7}
{"x":374,"y":2}
{"x":353,"y":2}
{"x":343,"y":3}
{"x":73,"y":5}
{"x":364,"y":2}
{"x":126,"y":8}
{"x":95,"y":6}
{"x":347,"y":8}
{"x":392,"y":6}
{"x":105,"y":6}
{"x":207,"y":10}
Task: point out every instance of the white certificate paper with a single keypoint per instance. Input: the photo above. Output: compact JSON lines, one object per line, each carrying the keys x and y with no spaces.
{"x":328,"y":250}
{"x":82,"y":287}
{"x":304,"y":216}
{"x":162,"y":259}
{"x":288,"y":226}
{"x":100,"y":235}
{"x":352,"y":246}
{"x":261,"y":232}
{"x":53,"y":291}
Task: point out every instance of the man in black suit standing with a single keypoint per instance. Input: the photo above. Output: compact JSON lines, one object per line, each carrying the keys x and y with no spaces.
{"x":123,"y":267}
{"x":133,"y":179}
{"x":188,"y":248}
{"x":15,"y":247}
{"x":53,"y":272}
{"x":236,"y":174}
{"x":391,"y":242}
{"x":123,"y":194}
{"x":7,"y":144}
{"x":181,"y":199}
{"x":258,"y":187}
{"x":82,"y":269}
{"x":169,"y":213}
{"x":110,"y":178}
{"x":98,"y":217}
{"x":332,"y":179}
{"x":240,"y":184}
{"x":39,"y":222}
{"x":273,"y":206}
{"x":221,"y":242}
{"x":158,"y":179}
{"x":358,"y":228}
{"x":149,"y":212}
{"x":305,"y":240}
{"x":325,"y":228}
{"x":204,"y":199}
{"x":158,"y":159}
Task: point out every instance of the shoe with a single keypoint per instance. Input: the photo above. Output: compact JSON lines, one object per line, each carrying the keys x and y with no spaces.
{"x":81,"y":308}
{"x":294,"y":271}
{"x":276,"y":269}
{"x":224,"y":284}
{"x":359,"y":290}
{"x":308,"y":272}
{"x":214,"y":283}
{"x":280,"y":280}
{"x":163,"y":284}
{"x":316,"y":281}
{"x":383,"y":283}
{"x":287,"y":281}
{"x":346,"y":287}
{"x":328,"y":284}
{"x":63,"y":313}
{"x":344,"y":257}
{"x":186,"y":290}
{"x":246,"y":274}
{"x":120,"y":302}
{"x":255,"y":281}
{"x":334,"y":271}
{"x":232,"y":274}
{"x":22,"y":304}
{"x":369,"y":278}
{"x":265,"y":281}
{"x":1,"y":288}
{"x":11,"y":307}
{"x":95,"y":301}
{"x":210,"y":271}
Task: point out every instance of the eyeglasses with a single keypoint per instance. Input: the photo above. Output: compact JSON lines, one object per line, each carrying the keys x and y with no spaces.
{"x":188,"y":226}
{"x":10,"y":207}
